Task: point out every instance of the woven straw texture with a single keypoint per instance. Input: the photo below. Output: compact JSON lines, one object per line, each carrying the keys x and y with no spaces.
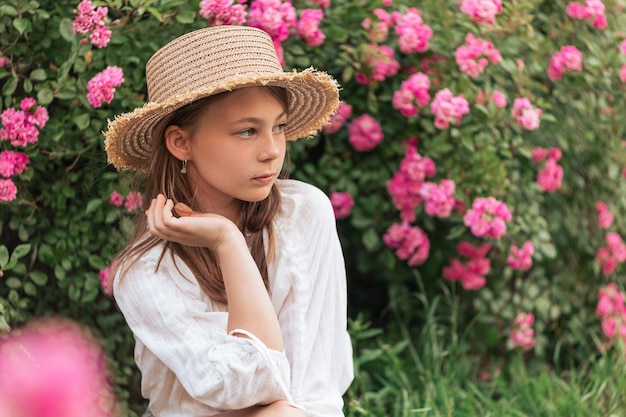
{"x":209,"y":61}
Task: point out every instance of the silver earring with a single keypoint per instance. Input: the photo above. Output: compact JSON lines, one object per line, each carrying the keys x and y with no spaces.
{"x":183,"y":170}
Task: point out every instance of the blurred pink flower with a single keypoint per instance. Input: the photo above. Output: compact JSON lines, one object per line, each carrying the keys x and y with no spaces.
{"x":410,"y":243}
{"x":105,"y":278}
{"x":472,"y":273}
{"x":622,"y":47}
{"x":569,"y":58}
{"x":378,"y":64}
{"x":308,"y":27}
{"x":379,"y":28}
{"x":604,"y":216}
{"x":591,"y":10}
{"x":611,"y":312}
{"x":499,"y":99}
{"x":487,"y":217}
{"x":608,"y":257}
{"x":527,"y":116}
{"x":344,"y":111}
{"x":275,"y":17}
{"x":550,"y":176}
{"x":404,"y":187}
{"x":521,"y":258}
{"x":116,"y":199}
{"x":364,"y":133}
{"x":438,"y":199}
{"x":622,"y":73}
{"x":101,"y":88}
{"x":8,"y":190}
{"x":223,"y":12}
{"x":413,"y":33}
{"x":322,"y":3}
{"x":3,"y":60}
{"x":134,"y":201}
{"x":12,"y":163}
{"x":91,"y":19}
{"x":54,"y":368}
{"x":413,"y":93}
{"x":448,"y":108}
{"x":21,"y":127}
{"x":474,"y":56}
{"x":342,"y":203}
{"x":521,"y":334}
{"x":481,"y":11}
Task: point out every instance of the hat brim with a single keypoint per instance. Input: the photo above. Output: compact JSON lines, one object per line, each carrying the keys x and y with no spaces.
{"x":313,"y":99}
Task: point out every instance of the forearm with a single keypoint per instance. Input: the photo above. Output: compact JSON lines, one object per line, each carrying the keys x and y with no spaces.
{"x":249,"y":305}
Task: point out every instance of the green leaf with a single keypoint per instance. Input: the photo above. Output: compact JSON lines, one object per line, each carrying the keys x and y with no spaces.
{"x":13,"y":283}
{"x":38,"y":75}
{"x":21,"y":25}
{"x":82,"y":121}
{"x":38,"y":278}
{"x":10,"y":86}
{"x":45,"y":96}
{"x":154,"y":12}
{"x":28,"y":85}
{"x":186,"y":17}
{"x":20,"y":251}
{"x":370,"y":239}
{"x":4,"y":256}
{"x":8,"y":10}
{"x":66,"y":30}
{"x":30,"y":289}
{"x":93,"y":205}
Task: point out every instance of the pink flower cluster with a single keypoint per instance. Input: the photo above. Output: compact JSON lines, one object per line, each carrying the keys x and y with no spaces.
{"x":364,"y":133}
{"x":342,"y":203}
{"x":344,"y":111}
{"x":527,"y":116}
{"x":21,"y":127}
{"x":105,"y":278}
{"x":413,"y":33}
{"x":550,"y":176}
{"x":612,"y":312}
{"x":591,"y":10}
{"x":3,"y":60}
{"x":472,"y":273}
{"x":405,"y":185}
{"x":611,"y":255}
{"x":12,"y":163}
{"x":448,"y":108}
{"x":622,"y":71}
{"x":522,"y":335}
{"x":439,"y":199}
{"x":378,"y":29}
{"x":274,"y":17}
{"x":378,"y":64}
{"x":604,"y":216}
{"x":91,"y":19}
{"x":569,"y":58}
{"x":521,"y":258}
{"x":308,"y":27}
{"x":482,"y":11}
{"x":101,"y":88}
{"x":223,"y":12}
{"x":54,"y":368}
{"x":409,"y":242}
{"x":498,"y":98}
{"x":487,"y":217}
{"x":413,"y":93}
{"x":474,"y":56}
{"x":133,"y":201}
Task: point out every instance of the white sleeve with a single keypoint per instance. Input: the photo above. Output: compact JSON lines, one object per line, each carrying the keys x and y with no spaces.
{"x":167,"y":313}
{"x":316,"y":337}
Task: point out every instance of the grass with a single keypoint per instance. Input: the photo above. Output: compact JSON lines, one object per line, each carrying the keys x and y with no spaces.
{"x":430,"y":373}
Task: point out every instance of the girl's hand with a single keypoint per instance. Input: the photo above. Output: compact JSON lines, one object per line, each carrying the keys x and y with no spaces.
{"x":191,"y":228}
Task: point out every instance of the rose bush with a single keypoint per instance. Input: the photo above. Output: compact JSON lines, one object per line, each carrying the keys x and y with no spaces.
{"x":478,"y":154}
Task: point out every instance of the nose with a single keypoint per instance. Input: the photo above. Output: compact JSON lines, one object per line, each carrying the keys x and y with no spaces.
{"x":272,"y":146}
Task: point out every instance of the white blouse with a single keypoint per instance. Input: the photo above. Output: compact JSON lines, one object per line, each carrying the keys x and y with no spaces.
{"x":191,"y":366}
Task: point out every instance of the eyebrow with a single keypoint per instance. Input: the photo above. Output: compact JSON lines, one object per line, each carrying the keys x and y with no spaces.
{"x":256,"y":120}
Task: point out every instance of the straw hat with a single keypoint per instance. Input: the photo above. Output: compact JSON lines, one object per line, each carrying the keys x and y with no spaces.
{"x":209,"y":61}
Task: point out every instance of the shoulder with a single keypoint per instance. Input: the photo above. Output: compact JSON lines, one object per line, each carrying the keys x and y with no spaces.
{"x":306,"y":210}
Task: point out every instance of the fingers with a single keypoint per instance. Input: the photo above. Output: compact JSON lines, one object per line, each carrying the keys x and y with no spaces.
{"x":183,"y":210}
{"x":159,"y":216}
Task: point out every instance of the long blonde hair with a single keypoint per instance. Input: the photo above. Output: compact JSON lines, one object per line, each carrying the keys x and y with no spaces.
{"x":164,"y":177}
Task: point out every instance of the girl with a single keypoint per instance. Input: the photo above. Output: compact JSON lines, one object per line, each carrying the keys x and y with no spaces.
{"x":234,"y":283}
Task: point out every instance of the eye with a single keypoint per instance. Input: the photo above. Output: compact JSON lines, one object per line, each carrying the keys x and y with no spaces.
{"x":280,"y":128}
{"x":246,"y":133}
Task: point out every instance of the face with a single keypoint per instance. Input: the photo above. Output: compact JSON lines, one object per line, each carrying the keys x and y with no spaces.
{"x":237,"y":149}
